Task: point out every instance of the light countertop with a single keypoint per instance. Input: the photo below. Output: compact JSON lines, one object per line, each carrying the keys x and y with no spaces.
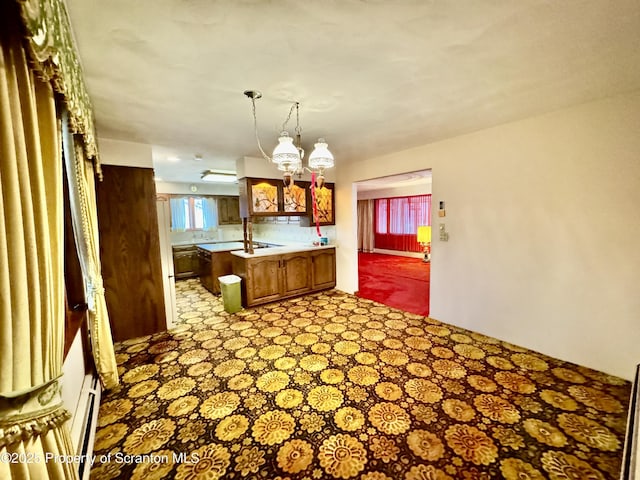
{"x":189,"y":243}
{"x":264,"y":252}
{"x":220,"y":247}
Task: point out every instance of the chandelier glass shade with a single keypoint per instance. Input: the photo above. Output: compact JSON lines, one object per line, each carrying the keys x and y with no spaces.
{"x":286,"y":154}
{"x":321,"y":157}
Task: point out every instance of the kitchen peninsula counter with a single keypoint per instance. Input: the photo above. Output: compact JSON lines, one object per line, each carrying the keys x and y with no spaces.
{"x":220,"y":247}
{"x":275,"y":273}
{"x":281,"y":249}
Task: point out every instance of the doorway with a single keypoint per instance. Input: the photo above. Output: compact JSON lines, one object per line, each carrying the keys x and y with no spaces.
{"x":394,"y":277}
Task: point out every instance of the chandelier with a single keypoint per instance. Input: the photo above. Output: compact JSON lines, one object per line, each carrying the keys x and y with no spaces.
{"x":288,"y":154}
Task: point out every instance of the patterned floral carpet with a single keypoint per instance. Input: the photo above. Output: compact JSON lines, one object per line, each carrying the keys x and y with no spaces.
{"x":334,"y":386}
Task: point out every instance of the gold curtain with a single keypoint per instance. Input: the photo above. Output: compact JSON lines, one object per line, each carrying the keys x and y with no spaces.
{"x":366,"y":232}
{"x":32,"y":418}
{"x":82,"y":200}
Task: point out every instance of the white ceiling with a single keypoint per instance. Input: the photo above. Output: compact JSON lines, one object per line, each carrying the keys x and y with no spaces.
{"x":372,"y":76}
{"x":404,"y":180}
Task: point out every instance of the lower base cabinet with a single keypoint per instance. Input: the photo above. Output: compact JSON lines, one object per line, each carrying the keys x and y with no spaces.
{"x":206,"y":278}
{"x":185,"y":262}
{"x":323,"y":269}
{"x":274,"y":277}
{"x":221,"y":265}
{"x":212,"y":266}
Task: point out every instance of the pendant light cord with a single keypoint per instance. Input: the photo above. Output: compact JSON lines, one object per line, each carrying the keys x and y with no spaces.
{"x":284,"y":124}
{"x":255,"y":128}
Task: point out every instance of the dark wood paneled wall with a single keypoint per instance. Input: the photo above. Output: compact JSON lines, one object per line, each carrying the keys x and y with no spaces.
{"x":130,"y":251}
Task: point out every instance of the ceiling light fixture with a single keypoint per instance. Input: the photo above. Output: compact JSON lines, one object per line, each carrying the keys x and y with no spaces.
{"x":288,"y":154}
{"x":218,"y":177}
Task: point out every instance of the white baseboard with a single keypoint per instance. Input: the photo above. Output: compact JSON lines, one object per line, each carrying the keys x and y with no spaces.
{"x":399,"y":253}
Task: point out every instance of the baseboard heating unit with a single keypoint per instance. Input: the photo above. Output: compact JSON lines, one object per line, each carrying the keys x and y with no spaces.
{"x":631,"y":454}
{"x":85,"y":422}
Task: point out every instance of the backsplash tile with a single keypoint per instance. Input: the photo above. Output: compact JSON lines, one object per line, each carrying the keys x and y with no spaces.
{"x":268,"y":232}
{"x":222,"y":233}
{"x":292,"y":233}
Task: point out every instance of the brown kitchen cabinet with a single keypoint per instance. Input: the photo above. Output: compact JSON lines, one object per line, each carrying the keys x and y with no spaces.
{"x":323,"y":269}
{"x":228,"y":210}
{"x":296,"y":273}
{"x":259,"y":196}
{"x":213,"y":265}
{"x":262,"y":279}
{"x":206,"y":275}
{"x":264,"y":197}
{"x":326,"y":207}
{"x":221,"y":264}
{"x":185,"y":261}
{"x":275,"y":277}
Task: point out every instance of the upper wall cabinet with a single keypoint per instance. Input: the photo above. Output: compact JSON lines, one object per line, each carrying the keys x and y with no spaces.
{"x":295,"y":198}
{"x":260,"y":197}
{"x":325,"y":206}
{"x":228,"y":210}
{"x":269,"y":197}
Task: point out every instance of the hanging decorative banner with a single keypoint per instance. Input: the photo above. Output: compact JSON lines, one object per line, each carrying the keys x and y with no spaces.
{"x":315,"y":203}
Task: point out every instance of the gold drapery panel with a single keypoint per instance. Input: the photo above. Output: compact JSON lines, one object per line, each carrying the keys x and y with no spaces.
{"x":82,"y":200}
{"x":54,"y":56}
{"x":366,"y":226}
{"x":32,"y":418}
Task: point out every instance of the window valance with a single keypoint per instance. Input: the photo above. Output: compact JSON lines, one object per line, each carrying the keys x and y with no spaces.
{"x":55,"y":59}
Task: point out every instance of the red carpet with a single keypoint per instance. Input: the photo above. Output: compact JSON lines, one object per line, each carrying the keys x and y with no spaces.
{"x":399,"y":282}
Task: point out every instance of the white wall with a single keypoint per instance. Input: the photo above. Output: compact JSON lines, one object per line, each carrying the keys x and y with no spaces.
{"x":128,"y":154}
{"x":260,"y":168}
{"x":544,"y":221}
{"x":409,"y":190}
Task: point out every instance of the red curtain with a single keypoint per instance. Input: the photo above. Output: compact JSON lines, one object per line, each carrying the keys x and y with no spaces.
{"x":397,"y":220}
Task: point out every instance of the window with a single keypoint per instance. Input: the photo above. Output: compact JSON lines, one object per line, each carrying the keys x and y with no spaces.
{"x":382,"y":215}
{"x":397,"y":221}
{"x":193,"y":213}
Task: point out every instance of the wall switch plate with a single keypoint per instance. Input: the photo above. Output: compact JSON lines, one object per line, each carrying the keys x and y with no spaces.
{"x":444,"y":236}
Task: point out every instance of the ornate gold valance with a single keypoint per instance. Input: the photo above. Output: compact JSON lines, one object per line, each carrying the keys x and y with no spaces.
{"x":55,"y":59}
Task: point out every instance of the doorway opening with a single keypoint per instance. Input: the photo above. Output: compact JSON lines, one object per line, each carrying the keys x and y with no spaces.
{"x":396,"y":275}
